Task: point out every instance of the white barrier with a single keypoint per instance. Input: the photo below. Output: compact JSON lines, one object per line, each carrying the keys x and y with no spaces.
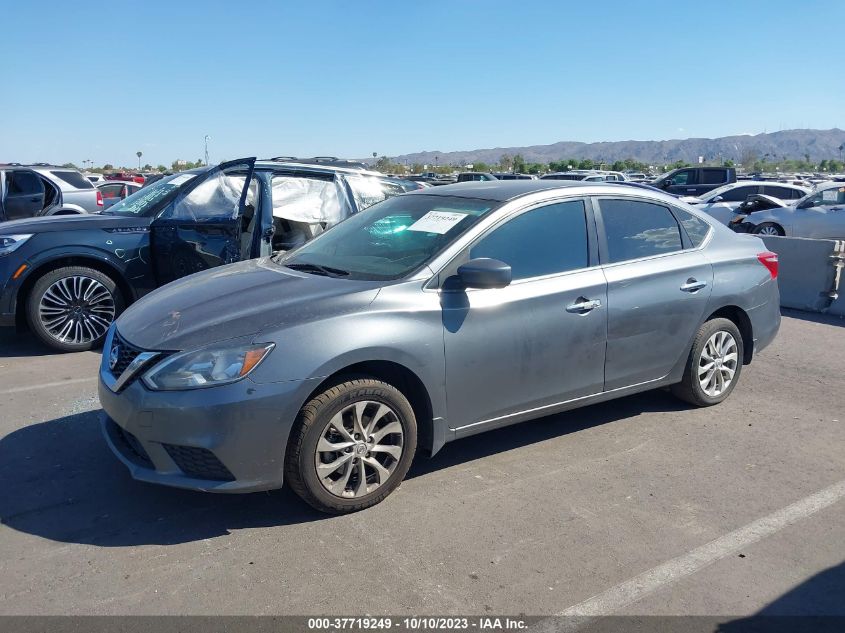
{"x":810,"y":276}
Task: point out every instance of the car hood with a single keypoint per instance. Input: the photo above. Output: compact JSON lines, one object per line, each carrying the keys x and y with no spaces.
{"x":235,"y":301}
{"x":83,"y":221}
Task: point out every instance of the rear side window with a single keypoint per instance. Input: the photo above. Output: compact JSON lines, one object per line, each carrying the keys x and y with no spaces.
{"x":696,"y":228}
{"x":784,"y":193}
{"x":637,"y":229}
{"x":544,"y":241}
{"x":73,"y":178}
{"x":713,"y":176}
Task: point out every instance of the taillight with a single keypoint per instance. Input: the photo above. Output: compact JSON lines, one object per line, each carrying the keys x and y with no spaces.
{"x":770,"y":261}
{"x":99,"y":198}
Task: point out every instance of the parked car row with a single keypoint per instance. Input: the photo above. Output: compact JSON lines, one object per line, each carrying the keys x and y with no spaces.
{"x":66,"y":278}
{"x":819,"y":215}
{"x":38,"y":190}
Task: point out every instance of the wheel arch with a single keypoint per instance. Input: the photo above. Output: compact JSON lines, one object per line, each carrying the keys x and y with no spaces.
{"x":740,"y":318}
{"x":406,"y":381}
{"x":61,"y":262}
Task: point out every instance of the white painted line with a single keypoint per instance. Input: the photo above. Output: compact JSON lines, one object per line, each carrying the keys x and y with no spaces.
{"x":630,"y":591}
{"x":47,"y":385}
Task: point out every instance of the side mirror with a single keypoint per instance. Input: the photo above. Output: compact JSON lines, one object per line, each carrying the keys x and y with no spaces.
{"x":717,"y":199}
{"x":668,"y":183}
{"x":484,"y":272}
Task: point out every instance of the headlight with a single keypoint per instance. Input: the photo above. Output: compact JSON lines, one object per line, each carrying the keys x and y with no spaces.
{"x":9,"y":243}
{"x":206,"y":367}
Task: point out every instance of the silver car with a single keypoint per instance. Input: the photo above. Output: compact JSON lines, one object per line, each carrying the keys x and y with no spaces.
{"x":819,"y":215}
{"x":722,"y":203}
{"x":429,"y":317}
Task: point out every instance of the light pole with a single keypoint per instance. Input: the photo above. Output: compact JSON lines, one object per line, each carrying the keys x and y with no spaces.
{"x":139,"y":154}
{"x":207,"y":138}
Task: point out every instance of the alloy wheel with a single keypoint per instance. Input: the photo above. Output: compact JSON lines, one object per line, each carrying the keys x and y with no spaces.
{"x":717,"y":363}
{"x":359,"y":449}
{"x":76,"y":309}
{"x":768,"y":230}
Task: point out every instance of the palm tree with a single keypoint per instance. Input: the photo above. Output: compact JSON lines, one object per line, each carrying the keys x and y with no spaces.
{"x":139,"y":154}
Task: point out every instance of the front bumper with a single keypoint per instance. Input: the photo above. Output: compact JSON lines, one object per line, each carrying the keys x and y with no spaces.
{"x":230,"y":438}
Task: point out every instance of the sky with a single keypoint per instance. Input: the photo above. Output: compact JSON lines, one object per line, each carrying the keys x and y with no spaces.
{"x":103,"y":80}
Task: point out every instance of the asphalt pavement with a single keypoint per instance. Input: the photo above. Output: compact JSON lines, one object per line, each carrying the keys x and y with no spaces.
{"x":637,"y":506}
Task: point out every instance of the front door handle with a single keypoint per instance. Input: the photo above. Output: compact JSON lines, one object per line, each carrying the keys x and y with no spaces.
{"x":693,"y":285}
{"x":582,"y":305}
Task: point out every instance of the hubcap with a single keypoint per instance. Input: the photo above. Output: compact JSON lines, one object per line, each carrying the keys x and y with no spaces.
{"x":76,"y":309}
{"x":717,"y":364}
{"x":768,"y":230}
{"x":359,"y":449}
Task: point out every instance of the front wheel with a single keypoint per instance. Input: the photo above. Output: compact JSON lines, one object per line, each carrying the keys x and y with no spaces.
{"x":769,"y":228}
{"x":70,"y":309}
{"x":351,"y":446}
{"x":713,"y":366}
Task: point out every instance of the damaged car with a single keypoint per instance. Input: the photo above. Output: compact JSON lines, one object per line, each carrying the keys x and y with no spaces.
{"x":66,"y":278}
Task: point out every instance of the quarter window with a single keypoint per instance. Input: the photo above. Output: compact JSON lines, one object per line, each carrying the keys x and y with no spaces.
{"x":637,"y":229}
{"x":544,"y":241}
{"x":696,"y":228}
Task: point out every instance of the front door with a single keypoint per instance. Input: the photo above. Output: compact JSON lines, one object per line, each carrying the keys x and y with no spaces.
{"x":24,"y":194}
{"x":208,"y":224}
{"x":539,"y":341}
{"x":658,"y":286}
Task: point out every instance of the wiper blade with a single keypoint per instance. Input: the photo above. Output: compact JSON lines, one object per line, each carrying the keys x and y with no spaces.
{"x":316,"y":269}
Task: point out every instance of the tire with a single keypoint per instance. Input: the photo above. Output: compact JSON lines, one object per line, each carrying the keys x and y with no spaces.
{"x":769,"y":228}
{"x":316,"y":427}
{"x":691,"y":388}
{"x":88,"y":301}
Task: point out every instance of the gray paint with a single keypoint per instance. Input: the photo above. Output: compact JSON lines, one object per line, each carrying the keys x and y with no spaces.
{"x":486,"y":358}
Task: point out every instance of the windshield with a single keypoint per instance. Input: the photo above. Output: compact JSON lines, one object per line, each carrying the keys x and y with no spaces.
{"x":390,"y":239}
{"x":144,"y":200}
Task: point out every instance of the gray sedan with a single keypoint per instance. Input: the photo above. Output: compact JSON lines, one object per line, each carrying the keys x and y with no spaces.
{"x":429,"y":317}
{"x":819,"y":215}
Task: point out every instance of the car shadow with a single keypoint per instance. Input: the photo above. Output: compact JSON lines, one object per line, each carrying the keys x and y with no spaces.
{"x":61,"y":482}
{"x":814,"y":317}
{"x":14,"y":344}
{"x":816,"y":605}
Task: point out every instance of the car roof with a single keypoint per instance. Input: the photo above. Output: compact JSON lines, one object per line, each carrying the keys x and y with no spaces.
{"x":325,"y":167}
{"x":502,"y":190}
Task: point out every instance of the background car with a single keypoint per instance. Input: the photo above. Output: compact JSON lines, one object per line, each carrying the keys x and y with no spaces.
{"x":67,"y":278}
{"x":114,"y":191}
{"x":722,"y":202}
{"x":28,"y":191}
{"x":694,"y":181}
{"x":427,"y":318}
{"x":819,"y":215}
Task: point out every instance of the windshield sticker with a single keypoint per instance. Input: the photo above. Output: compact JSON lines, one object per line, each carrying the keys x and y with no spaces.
{"x":180,"y":180}
{"x":830,"y":195}
{"x":437,"y":222}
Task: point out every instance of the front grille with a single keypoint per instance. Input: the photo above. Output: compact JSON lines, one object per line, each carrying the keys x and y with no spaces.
{"x":128,"y":445}
{"x":198,"y":462}
{"x":126,"y":354}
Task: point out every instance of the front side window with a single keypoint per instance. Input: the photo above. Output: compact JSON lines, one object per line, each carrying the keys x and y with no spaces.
{"x":683,"y":178}
{"x":738,"y":194}
{"x":390,"y":239}
{"x":544,"y":241}
{"x":636,"y":229}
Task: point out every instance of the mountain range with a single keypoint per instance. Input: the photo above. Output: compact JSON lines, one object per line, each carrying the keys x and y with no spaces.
{"x":785,"y":144}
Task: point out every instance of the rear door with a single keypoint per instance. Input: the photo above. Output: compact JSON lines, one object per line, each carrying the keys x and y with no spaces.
{"x":658,"y":286}
{"x":24,"y":194}
{"x":204,"y":225}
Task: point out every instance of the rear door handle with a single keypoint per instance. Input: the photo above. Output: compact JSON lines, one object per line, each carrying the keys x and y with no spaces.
{"x":693,"y":285}
{"x":582,"y":305}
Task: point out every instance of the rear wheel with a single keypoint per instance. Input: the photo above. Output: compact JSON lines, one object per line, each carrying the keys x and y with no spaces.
{"x":713,"y":366}
{"x":769,"y":228}
{"x":351,"y":446}
{"x":71,"y":309}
